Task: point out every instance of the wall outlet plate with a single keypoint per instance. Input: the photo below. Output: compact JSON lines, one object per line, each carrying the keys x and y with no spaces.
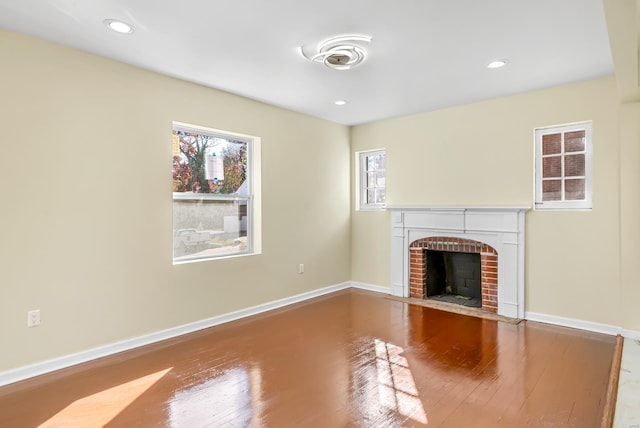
{"x":33,"y":318}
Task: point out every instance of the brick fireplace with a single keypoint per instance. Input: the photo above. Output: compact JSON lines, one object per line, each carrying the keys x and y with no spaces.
{"x":495,"y":233}
{"x":419,"y":249}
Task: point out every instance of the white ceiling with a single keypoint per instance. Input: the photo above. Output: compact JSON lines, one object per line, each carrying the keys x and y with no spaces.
{"x":425,"y":54}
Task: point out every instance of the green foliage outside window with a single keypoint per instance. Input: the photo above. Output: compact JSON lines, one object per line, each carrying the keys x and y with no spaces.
{"x":189,"y":171}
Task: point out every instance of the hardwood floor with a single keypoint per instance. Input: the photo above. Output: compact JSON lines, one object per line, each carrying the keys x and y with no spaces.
{"x":349,"y":359}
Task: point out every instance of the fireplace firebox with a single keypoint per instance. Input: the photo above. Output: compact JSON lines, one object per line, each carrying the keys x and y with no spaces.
{"x":453,"y":278}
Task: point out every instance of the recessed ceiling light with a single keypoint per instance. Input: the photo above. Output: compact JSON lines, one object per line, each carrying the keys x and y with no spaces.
{"x":340,"y":102}
{"x":497,"y":63}
{"x":119,"y":26}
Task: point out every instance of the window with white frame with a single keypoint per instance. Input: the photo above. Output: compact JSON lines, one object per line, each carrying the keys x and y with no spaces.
{"x":563,"y":167}
{"x":372,"y":179}
{"x":212,"y":193}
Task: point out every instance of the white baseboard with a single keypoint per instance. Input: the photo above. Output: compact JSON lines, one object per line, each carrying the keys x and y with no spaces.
{"x":32,"y":370}
{"x":582,"y":325}
{"x":631,"y":334}
{"x":371,"y":287}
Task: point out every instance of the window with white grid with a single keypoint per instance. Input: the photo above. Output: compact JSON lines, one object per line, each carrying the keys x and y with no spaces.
{"x":372,"y":179}
{"x":563,"y":167}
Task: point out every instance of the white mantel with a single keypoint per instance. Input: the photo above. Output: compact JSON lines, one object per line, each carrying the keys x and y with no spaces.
{"x":501,"y":227}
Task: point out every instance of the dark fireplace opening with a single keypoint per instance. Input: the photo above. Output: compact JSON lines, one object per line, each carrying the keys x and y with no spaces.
{"x":454,"y":277}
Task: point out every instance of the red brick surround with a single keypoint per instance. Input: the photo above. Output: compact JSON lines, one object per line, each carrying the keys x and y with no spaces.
{"x":488,"y":265}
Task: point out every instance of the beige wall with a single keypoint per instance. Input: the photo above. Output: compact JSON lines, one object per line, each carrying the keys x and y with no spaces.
{"x":630,"y":214}
{"x":86,"y":203}
{"x":482,"y":154}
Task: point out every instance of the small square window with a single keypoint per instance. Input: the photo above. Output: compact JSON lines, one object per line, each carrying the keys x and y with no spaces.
{"x":563,"y":167}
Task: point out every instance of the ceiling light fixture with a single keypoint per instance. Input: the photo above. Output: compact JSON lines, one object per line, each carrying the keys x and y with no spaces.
{"x":119,"y":26}
{"x":497,"y":63}
{"x":340,"y":53}
{"x":340,"y":102}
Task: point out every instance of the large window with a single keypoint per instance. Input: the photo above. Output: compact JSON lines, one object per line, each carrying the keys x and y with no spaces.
{"x":563,"y":167}
{"x":212,"y":194}
{"x":372,"y":179}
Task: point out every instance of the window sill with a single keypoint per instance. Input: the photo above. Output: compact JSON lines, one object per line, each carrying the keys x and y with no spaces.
{"x":372,"y":208}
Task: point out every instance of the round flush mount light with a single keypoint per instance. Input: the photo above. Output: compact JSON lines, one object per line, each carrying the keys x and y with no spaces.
{"x":340,"y":53}
{"x":497,"y":63}
{"x":119,"y":26}
{"x":340,"y":102}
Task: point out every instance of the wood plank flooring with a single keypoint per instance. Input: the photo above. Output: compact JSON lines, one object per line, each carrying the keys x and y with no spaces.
{"x":348,"y":359}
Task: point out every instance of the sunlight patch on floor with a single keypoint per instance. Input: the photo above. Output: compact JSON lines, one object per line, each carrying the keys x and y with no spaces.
{"x":396,"y":386}
{"x":227,"y":399}
{"x":98,"y":409}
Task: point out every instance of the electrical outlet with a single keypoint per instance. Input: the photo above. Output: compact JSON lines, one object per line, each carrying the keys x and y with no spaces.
{"x":301,"y":268}
{"x":33,"y":318}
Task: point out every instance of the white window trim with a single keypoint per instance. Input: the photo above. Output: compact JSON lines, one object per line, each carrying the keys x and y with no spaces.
{"x":360,"y":177}
{"x":587,"y":203}
{"x":253,"y":196}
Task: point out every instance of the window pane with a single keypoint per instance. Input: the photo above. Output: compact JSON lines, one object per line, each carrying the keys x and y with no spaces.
{"x":371,"y":196}
{"x":551,"y":144}
{"x":380,"y":196}
{"x":552,"y":167}
{"x":380,"y":179}
{"x":375,"y":162}
{"x":371,"y":163}
{"x":371,"y":179}
{"x":207,"y":164}
{"x":574,"y":165}
{"x":211,"y":194}
{"x":208,"y":228}
{"x":574,"y":189}
{"x":551,"y":190}
{"x":574,"y":141}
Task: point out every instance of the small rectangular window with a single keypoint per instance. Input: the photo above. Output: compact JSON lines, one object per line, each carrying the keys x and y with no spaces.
{"x":212,"y":194}
{"x":563,"y":166}
{"x":372,"y":179}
